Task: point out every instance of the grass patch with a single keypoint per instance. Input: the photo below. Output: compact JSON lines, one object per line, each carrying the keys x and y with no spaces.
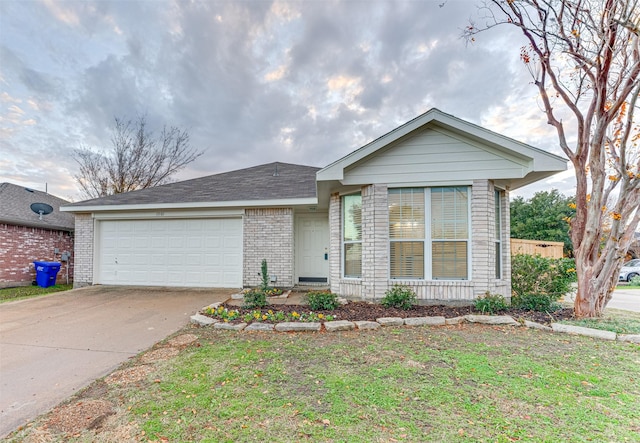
{"x":20,"y":292}
{"x":614,"y":320}
{"x":465,"y":383}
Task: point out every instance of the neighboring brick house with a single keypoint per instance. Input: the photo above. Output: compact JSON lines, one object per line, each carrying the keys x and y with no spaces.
{"x":25,"y":236}
{"x":426,"y":205}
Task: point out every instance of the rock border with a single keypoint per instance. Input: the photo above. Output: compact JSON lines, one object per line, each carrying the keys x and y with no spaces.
{"x":344,"y":325}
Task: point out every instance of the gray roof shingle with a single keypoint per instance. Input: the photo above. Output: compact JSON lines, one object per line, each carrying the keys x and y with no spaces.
{"x":15,"y":208}
{"x":251,"y":184}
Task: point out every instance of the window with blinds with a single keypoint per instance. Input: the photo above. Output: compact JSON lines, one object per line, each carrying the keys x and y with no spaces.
{"x":407,"y":232}
{"x":449,"y":233}
{"x":429,"y":225}
{"x":352,"y":235}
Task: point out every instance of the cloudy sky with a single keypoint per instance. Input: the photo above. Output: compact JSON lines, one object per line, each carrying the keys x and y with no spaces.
{"x":252,"y":81}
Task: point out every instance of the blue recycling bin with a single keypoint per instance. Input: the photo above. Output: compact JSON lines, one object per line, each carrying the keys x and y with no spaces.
{"x":46,"y":272}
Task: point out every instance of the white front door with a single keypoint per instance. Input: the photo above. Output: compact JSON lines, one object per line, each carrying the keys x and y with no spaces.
{"x":312,"y":248}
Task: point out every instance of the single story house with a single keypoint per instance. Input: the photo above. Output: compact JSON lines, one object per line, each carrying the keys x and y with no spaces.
{"x":426,"y":205}
{"x":26,"y":235}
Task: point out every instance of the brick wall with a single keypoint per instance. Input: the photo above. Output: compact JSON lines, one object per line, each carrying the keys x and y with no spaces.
{"x":268,"y":234}
{"x":83,"y":275}
{"x":375,"y":241}
{"x":20,"y":246}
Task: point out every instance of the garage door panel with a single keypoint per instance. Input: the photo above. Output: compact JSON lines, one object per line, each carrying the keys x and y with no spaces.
{"x":202,"y":252}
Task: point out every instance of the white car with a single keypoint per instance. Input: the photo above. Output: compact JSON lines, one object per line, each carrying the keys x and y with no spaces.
{"x":629,"y":270}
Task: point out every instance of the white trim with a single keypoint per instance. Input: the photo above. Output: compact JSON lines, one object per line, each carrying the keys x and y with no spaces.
{"x":543,"y":164}
{"x":141,"y":215}
{"x":194,"y":205}
{"x":351,"y":242}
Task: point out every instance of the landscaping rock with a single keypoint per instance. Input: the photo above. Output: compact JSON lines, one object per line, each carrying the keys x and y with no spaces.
{"x":342,"y":301}
{"x":239,"y":296}
{"x":390,"y":321}
{"x":492,"y":319}
{"x":367,"y":325}
{"x":202,"y":320}
{"x":425,"y":321}
{"x":292,"y":326}
{"x":534,"y":325}
{"x":230,"y":326}
{"x":263,"y":327}
{"x":632,"y":338}
{"x":339,"y":325}
{"x":579,"y":330}
{"x":454,"y":321}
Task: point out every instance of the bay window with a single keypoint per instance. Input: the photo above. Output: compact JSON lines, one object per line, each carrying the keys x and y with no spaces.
{"x":429,"y":233}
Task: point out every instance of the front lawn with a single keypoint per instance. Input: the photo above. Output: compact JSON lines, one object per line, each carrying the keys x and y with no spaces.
{"x":20,"y":292}
{"x":463,"y":383}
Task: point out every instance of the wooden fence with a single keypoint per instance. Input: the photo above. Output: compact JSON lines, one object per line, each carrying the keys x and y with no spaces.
{"x":551,"y":249}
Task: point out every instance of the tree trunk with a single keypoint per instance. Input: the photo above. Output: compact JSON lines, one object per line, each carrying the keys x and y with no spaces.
{"x":594,"y":291}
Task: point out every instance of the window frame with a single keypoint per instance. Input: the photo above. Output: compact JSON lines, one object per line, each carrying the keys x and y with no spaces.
{"x":498,"y":213}
{"x":344,"y":242}
{"x":428,"y":240}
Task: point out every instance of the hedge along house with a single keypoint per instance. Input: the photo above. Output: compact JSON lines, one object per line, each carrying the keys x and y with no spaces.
{"x":425,"y":205}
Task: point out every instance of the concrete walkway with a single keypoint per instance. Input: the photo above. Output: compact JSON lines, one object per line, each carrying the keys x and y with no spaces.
{"x":52,"y":346}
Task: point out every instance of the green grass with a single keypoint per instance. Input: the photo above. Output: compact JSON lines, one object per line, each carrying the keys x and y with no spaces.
{"x":20,"y":292}
{"x":614,"y":320}
{"x":457,"y":384}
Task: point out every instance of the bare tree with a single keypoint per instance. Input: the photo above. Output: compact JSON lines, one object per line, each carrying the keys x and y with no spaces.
{"x":137,"y":159}
{"x":584,"y":58}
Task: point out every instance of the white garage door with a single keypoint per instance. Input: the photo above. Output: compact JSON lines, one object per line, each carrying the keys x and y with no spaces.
{"x":190,"y":253}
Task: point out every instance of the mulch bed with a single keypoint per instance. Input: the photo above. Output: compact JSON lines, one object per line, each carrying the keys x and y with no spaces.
{"x":355,"y":311}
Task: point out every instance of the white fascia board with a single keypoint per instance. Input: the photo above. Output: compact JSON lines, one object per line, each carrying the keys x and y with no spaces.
{"x":543,"y":160}
{"x":196,"y":205}
{"x":191,"y":214}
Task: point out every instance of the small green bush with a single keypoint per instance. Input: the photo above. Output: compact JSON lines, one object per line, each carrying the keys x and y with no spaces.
{"x":255,"y":298}
{"x":534,"y":274}
{"x":535,"y":302}
{"x":322,"y":301}
{"x":635,"y":281}
{"x":399,"y":296}
{"x":490,"y":303}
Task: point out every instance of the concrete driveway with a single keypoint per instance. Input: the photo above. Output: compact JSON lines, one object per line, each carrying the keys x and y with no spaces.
{"x":51,"y":347}
{"x":628,"y":299}
{"x":623,"y":298}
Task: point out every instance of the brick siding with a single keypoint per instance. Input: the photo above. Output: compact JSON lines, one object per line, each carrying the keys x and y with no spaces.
{"x":20,"y":246}
{"x":83,"y":275}
{"x":268,"y":234}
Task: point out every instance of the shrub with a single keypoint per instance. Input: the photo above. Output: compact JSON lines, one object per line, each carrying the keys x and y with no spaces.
{"x":490,"y":303}
{"x":535,"y":302}
{"x":264,"y":274}
{"x":534,"y":274}
{"x":399,"y":296}
{"x":635,"y":281}
{"x":255,"y":298}
{"x":322,"y":300}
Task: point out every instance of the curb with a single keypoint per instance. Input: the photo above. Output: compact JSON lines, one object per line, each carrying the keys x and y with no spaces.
{"x":344,"y":325}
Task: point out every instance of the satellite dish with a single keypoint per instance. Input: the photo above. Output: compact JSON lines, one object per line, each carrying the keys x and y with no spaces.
{"x":41,"y":209}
